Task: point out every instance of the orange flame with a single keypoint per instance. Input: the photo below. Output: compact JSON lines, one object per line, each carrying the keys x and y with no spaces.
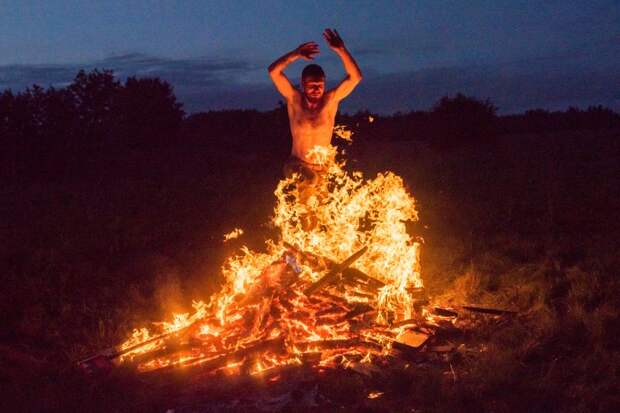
{"x":262,"y":316}
{"x":235,"y":233}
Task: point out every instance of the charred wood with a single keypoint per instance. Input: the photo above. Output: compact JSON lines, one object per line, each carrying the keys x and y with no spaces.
{"x":444,"y":312}
{"x":333,"y":275}
{"x":492,"y":311}
{"x":358,"y":310}
{"x":276,"y":345}
{"x":355,"y":275}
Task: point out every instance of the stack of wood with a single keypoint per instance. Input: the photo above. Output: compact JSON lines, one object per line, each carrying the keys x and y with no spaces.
{"x":286,"y":320}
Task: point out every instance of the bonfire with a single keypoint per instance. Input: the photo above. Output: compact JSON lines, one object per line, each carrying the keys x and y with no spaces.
{"x":344,"y":292}
{"x":340,"y":292}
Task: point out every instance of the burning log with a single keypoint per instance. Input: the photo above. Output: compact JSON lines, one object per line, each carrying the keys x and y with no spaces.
{"x":417,"y":322}
{"x":209,"y":362}
{"x":444,"y":348}
{"x":98,"y":362}
{"x":324,"y":297}
{"x":351,"y":275}
{"x":313,"y":346}
{"x":444,"y":312}
{"x":413,"y":339}
{"x":168,"y":349}
{"x":330,"y":310}
{"x":328,"y":321}
{"x":417,"y":293}
{"x":305,"y":346}
{"x":491,"y":311}
{"x":114,"y":352}
{"x":286,"y":304}
{"x":334,"y":273}
{"x":445,"y":329}
{"x":354,"y":275}
{"x":358,"y":310}
{"x":361,"y":295}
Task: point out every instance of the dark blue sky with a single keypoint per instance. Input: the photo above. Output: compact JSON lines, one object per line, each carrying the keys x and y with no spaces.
{"x":520,"y":54}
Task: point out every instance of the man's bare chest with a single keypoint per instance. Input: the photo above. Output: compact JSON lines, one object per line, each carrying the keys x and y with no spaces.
{"x":304,"y":116}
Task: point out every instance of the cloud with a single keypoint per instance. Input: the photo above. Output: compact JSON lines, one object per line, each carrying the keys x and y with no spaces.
{"x":17,"y":77}
{"x":200,"y":83}
{"x":191,"y":72}
{"x":511,"y":87}
{"x":216,"y":83}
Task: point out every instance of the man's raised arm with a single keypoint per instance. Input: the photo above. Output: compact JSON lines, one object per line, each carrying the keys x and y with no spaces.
{"x":276,"y":69}
{"x":354,"y":74}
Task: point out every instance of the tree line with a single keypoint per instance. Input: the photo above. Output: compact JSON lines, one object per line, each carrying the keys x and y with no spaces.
{"x":98,"y":115}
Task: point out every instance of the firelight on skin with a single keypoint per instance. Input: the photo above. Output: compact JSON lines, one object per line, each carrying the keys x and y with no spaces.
{"x":312,"y":110}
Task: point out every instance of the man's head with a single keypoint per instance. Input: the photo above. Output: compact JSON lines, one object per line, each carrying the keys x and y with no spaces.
{"x":313,"y":82}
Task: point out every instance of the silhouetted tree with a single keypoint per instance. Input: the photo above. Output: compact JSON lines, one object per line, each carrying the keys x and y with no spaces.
{"x":147,"y":112}
{"x":601,"y":117}
{"x":45,"y":131}
{"x":95,"y":95}
{"x":463,"y":119}
{"x":537,"y":119}
{"x":98,"y":116}
{"x":8,"y":138}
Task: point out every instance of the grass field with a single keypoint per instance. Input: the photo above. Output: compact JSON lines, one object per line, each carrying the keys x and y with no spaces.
{"x":527,"y":222}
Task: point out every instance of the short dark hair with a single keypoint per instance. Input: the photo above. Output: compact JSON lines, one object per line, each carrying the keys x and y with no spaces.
{"x":312,"y":70}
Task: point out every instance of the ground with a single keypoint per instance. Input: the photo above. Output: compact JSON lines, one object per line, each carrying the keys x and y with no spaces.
{"x":514,"y":224}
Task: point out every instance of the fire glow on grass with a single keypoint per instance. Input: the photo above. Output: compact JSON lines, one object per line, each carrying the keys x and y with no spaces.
{"x":264,"y":316}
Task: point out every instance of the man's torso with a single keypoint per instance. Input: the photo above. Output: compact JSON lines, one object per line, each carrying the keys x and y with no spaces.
{"x":311,"y":126}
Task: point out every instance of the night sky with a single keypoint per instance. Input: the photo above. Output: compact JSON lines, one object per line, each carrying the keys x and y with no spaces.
{"x":519,"y":54}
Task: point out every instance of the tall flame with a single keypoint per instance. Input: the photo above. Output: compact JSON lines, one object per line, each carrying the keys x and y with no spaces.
{"x":351,"y":213}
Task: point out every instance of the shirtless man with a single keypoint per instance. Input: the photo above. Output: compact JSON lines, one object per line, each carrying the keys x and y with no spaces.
{"x":312,"y":110}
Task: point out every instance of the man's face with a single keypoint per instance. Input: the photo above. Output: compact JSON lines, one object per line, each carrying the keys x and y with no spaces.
{"x":313,"y":87}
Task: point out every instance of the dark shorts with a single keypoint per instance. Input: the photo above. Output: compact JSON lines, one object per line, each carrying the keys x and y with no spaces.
{"x":309,"y":173}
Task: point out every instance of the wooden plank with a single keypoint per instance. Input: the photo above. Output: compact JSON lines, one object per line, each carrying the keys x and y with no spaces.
{"x":444,"y":312}
{"x":492,"y":311}
{"x":333,"y":275}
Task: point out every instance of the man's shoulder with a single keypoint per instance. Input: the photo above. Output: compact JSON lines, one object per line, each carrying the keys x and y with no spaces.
{"x":330,"y":98}
{"x":330,"y":94}
{"x":295,"y":98}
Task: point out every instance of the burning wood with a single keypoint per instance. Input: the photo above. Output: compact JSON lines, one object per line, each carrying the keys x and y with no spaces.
{"x":334,"y":273}
{"x":412,"y":338}
{"x":355,"y":276}
{"x":358,"y":310}
{"x":492,"y":311}
{"x":302,"y":301}
{"x":444,"y":312}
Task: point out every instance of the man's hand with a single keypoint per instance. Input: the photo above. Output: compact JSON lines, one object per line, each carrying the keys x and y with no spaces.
{"x":354,"y":75}
{"x":276,"y":70}
{"x":307,"y":50}
{"x":333,"y":40}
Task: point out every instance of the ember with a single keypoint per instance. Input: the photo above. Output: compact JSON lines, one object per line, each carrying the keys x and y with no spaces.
{"x":235,"y":233}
